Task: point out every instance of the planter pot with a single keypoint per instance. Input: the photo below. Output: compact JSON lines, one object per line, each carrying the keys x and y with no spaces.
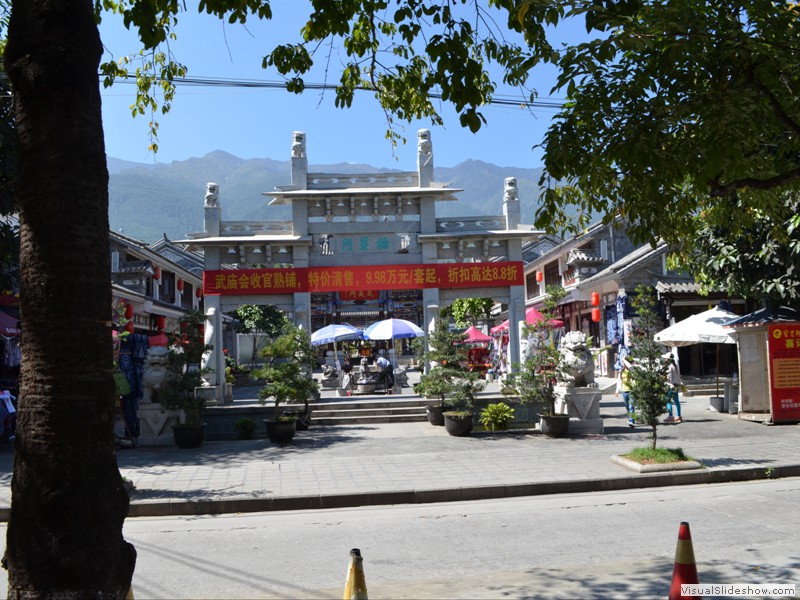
{"x":280,"y":432}
{"x":458,"y":425}
{"x":303,"y":419}
{"x":188,"y":436}
{"x":554,"y":425}
{"x":435,"y":414}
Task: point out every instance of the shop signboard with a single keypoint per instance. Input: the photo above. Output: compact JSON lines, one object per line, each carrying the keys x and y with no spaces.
{"x":356,"y":279}
{"x":783,"y":343}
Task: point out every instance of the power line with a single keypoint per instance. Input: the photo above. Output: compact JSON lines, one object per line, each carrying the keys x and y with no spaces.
{"x":502,"y":100}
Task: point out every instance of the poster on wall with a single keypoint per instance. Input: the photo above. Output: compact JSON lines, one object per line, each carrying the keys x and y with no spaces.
{"x":783,"y":344}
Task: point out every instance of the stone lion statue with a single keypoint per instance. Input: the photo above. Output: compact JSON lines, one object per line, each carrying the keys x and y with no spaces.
{"x":212,"y":191}
{"x":154,"y":373}
{"x":298,"y":144}
{"x":510,"y":192}
{"x":424,"y":145}
{"x":576,"y":365}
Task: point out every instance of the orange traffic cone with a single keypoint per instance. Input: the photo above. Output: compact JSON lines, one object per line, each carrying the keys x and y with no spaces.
{"x":355,"y":588}
{"x":685,"y":570}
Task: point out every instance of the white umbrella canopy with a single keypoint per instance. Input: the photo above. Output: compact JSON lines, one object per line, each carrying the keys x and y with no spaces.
{"x":703,"y":328}
{"x":333,"y":334}
{"x":336,"y":332}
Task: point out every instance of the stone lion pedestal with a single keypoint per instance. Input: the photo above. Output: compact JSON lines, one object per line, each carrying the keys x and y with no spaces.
{"x":582,"y":404}
{"x":155,"y":425}
{"x":578,"y":395}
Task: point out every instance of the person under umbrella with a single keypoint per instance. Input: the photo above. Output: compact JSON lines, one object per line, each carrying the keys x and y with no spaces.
{"x":386,"y":375}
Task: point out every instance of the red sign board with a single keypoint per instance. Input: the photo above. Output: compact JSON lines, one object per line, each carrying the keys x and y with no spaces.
{"x":783,"y":343}
{"x":358,"y":279}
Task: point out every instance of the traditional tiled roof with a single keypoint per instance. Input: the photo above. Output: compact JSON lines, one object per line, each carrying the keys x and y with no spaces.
{"x":677,"y":287}
{"x":576,"y":255}
{"x":137,"y":266}
{"x":774,"y":314}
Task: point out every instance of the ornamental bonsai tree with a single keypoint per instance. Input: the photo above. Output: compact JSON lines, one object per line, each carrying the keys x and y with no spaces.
{"x":533,"y":381}
{"x":185,"y":374}
{"x":445,"y":359}
{"x":288,"y":366}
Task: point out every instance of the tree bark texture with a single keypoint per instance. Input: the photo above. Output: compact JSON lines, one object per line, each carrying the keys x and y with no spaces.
{"x":68,"y":504}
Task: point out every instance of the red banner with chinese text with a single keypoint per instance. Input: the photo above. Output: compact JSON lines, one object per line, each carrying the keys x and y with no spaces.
{"x":783,"y":343}
{"x":356,"y":279}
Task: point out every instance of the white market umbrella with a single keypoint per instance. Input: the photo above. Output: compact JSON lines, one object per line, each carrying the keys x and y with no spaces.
{"x":389,"y":329}
{"x":337,"y":332}
{"x":703,"y":328}
{"x":334,"y":333}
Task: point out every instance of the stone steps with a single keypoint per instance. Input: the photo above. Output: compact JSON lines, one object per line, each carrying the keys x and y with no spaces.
{"x":345,"y":410}
{"x":382,"y":410}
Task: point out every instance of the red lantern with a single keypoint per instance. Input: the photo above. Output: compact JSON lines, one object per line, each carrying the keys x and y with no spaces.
{"x":198,"y":292}
{"x":539,"y":276}
{"x":129,"y":326}
{"x":129,"y":311}
{"x":157,"y":273}
{"x":161,"y":323}
{"x":596,"y":315}
{"x":595,"y":299}
{"x":180,"y":285}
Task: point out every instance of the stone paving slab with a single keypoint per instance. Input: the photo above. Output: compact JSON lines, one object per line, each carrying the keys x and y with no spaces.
{"x":415,"y":462}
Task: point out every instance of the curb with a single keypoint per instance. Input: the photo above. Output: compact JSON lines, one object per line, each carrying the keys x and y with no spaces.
{"x":215,"y":506}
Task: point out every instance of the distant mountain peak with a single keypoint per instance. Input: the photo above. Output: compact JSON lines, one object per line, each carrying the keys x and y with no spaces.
{"x":149,"y":200}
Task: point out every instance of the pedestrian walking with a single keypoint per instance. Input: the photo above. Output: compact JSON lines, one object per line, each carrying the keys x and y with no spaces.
{"x":624,"y":388}
{"x":673,"y":396}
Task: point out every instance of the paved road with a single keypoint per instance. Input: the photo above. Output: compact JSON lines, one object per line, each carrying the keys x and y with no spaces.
{"x":600,"y":545}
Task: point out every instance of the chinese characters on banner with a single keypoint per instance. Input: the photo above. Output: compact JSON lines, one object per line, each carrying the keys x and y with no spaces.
{"x":783,"y":343}
{"x":358,"y":279}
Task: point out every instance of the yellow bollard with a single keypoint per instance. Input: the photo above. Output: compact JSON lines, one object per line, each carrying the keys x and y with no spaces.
{"x":355,"y":588}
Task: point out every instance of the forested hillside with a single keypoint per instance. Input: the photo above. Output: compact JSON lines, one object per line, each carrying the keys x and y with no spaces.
{"x":148,"y":201}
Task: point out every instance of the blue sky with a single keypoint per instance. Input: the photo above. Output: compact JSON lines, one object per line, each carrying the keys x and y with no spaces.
{"x":258,"y":123}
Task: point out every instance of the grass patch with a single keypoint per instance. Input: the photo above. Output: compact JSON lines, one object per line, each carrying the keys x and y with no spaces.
{"x":647,"y":456}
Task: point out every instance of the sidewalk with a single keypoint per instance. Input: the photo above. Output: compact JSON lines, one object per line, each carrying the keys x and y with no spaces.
{"x":327,"y":467}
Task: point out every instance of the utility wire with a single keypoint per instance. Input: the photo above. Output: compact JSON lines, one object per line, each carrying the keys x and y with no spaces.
{"x":502,"y":100}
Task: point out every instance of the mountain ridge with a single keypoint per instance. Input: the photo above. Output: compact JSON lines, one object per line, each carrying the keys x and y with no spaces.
{"x":148,"y":201}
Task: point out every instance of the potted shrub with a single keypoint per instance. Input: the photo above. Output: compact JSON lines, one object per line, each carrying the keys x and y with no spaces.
{"x":496,"y":416}
{"x":181,"y":388}
{"x":245,"y":427}
{"x":444,"y":358}
{"x":288,"y":367}
{"x":534,"y":380}
{"x":458,"y":421}
{"x":436,"y":383}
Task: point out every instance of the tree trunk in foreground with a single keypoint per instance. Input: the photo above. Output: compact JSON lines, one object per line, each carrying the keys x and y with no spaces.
{"x":68,"y":504}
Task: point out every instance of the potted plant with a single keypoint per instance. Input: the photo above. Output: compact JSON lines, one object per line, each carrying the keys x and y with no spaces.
{"x":181,"y":389}
{"x":534,"y":380}
{"x":288,"y":367}
{"x":496,"y":415}
{"x":444,"y":359}
{"x":458,"y":420}
{"x":436,"y":383}
{"x":245,"y":427}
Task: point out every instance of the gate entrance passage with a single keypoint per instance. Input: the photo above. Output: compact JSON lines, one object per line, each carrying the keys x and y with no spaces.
{"x":360,"y":248}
